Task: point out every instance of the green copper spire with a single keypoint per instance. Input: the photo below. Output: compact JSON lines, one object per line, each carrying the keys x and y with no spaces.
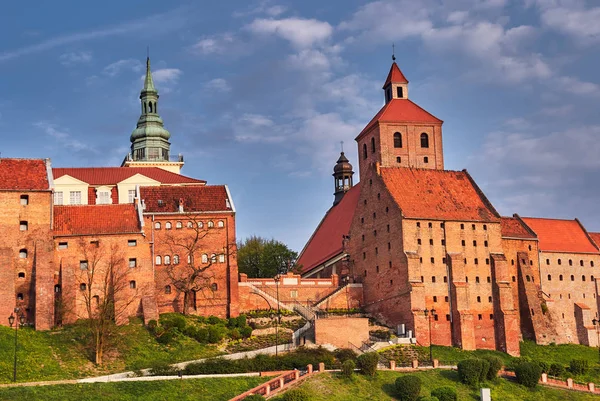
{"x":150,"y":139}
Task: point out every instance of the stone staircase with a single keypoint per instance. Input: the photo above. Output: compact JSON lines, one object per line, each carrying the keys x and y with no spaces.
{"x":330,"y":295}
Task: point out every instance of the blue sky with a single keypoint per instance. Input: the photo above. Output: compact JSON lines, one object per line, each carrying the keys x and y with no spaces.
{"x":258,"y":95}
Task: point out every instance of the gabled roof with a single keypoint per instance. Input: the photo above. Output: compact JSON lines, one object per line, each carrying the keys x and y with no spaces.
{"x":95,"y":219}
{"x":437,"y":194}
{"x":114,"y":175}
{"x":560,"y":235}
{"x":595,"y":238}
{"x":395,"y":75}
{"x":401,"y":110}
{"x":326,"y":241}
{"x":205,"y":198}
{"x":513,"y":228}
{"x":23,"y":174}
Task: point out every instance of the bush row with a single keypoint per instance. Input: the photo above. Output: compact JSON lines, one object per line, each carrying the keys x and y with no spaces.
{"x":408,"y":388}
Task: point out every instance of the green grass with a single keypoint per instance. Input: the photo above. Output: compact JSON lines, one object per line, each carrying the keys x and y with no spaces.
{"x":55,"y":355}
{"x":189,"y":389}
{"x":332,"y":387}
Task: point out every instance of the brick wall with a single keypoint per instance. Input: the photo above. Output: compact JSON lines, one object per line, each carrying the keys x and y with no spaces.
{"x":329,"y":331}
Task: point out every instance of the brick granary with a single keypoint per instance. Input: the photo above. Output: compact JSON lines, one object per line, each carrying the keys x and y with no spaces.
{"x":420,"y":237}
{"x":168,"y":239}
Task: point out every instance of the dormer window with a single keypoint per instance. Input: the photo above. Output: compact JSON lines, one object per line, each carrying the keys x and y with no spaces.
{"x":400,"y":92}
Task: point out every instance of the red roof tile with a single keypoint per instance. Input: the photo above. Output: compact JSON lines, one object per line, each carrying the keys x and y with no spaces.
{"x":326,"y":241}
{"x":511,"y":227}
{"x":595,"y":238}
{"x":95,"y":219}
{"x":560,"y":235}
{"x":437,"y":194}
{"x":395,"y":75}
{"x":114,"y":175}
{"x":23,"y":174}
{"x":401,"y":110}
{"x":203,"y":198}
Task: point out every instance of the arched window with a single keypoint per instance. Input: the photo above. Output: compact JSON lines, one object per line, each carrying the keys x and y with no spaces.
{"x":179,"y":224}
{"x":372,"y":145}
{"x":582,"y":278}
{"x":214,"y":287}
{"x":82,"y":286}
{"x":167,"y":289}
{"x":149,"y":107}
{"x":213,"y":258}
{"x":189,"y":259}
{"x":560,"y":277}
{"x":132,"y":284}
{"x":220,"y":224}
{"x":211,"y":224}
{"x":572,"y":277}
{"x":20,"y":296}
{"x":190,"y":224}
{"x":158,"y":260}
{"x":168,"y":225}
{"x":204,"y":258}
{"x":96,"y":300}
{"x":175,"y":259}
{"x":157,"y":226}
{"x":145,"y":108}
{"x":424,"y":140}
{"x":23,"y":253}
{"x":167,"y":260}
{"x":364,"y":151}
{"x":397,"y":140}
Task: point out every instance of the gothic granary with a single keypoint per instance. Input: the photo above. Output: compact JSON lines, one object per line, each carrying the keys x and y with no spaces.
{"x":420,"y":237}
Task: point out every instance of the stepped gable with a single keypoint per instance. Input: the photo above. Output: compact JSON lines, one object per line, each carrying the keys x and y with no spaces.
{"x":326,"y":241}
{"x":95,"y":219}
{"x":203,"y":198}
{"x":23,"y":174}
{"x":438,"y":194}
{"x":114,"y":175}
{"x":560,"y":235}
{"x":512,"y":228}
{"x":400,"y":111}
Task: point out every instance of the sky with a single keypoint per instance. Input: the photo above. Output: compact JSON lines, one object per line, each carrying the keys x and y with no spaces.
{"x":259,"y":95}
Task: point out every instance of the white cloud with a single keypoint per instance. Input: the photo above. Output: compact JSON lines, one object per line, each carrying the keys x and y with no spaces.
{"x":301,"y":33}
{"x":309,"y":59}
{"x":62,"y":137}
{"x":166,"y":75}
{"x":578,"y":22}
{"x":71,"y":58}
{"x":576,"y":86}
{"x":119,"y":66}
{"x":215,"y":44}
{"x":218,"y":84}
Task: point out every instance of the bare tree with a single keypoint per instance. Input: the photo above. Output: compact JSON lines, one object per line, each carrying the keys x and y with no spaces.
{"x":190,"y":271}
{"x":106,"y":291}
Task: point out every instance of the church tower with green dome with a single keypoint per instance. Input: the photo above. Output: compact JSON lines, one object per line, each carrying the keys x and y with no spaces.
{"x":150,"y":146}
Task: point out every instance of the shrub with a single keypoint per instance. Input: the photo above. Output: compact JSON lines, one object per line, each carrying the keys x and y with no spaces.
{"x":235,"y":334}
{"x":344,"y":354}
{"x":495,"y":366}
{"x":162,"y":369}
{"x":428,"y":398}
{"x":528,"y":374}
{"x":485,"y":368}
{"x":215,"y":334}
{"x":152,"y":325}
{"x":348,"y":368}
{"x":544,"y":366}
{"x":241,"y":321}
{"x":165,"y":336}
{"x":578,"y":366}
{"x":173,"y":320}
{"x":556,"y":369}
{"x":254,"y":397}
{"x":201,"y":335}
{"x":190,"y":331}
{"x":469,"y":371}
{"x":367,"y":363}
{"x":445,"y":393}
{"x":213,"y":320}
{"x":408,"y":387}
{"x":246,"y":331}
{"x":296,"y":394}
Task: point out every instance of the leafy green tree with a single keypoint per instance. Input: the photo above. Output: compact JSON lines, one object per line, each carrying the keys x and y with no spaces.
{"x":259,"y":257}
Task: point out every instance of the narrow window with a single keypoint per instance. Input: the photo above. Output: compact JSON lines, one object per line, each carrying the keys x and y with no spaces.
{"x":485,"y":227}
{"x":168,"y":225}
{"x":559,"y":261}
{"x":477,"y":279}
{"x":478,"y":299}
{"x":399,"y":92}
{"x":473,"y":226}
{"x":447,"y":318}
{"x":132,"y":242}
{"x":175,"y":259}
{"x":179,"y":224}
{"x":132,"y":284}
{"x":167,"y":289}
{"x":434,"y":298}
{"x":549,"y":277}
{"x":485,"y":243}
{"x":430,"y":225}
{"x":222,"y":258}
{"x":158,"y":260}
{"x":372,"y":145}
{"x":83,"y":264}
{"x":418,"y":224}
{"x":424,"y":140}
{"x":57,"y":288}
{"x":204,"y":258}
{"x":489,"y":279}
{"x":572,"y":277}
{"x":23,"y":226}
{"x":377,"y":269}
{"x":445,"y":279}
{"x":487,"y":261}
{"x":190,"y":224}
{"x":570,"y":262}
{"x":463,"y":243}
{"x":132,"y":262}
{"x":489,"y":299}
{"x":491,"y":316}
{"x":21,"y":275}
{"x":397,"y":140}
{"x":211,"y":224}
{"x":581,"y":263}
{"x":582,"y":278}
{"x":426,"y":160}
{"x":547,"y":261}
{"x":214,"y":287}
{"x":591,"y":263}
{"x":167,"y":259}
{"x":512,"y":262}
{"x":200,"y":224}
{"x":476,"y":261}
{"x":23,"y":254}
{"x":157,"y":225}
{"x":24,"y":200}
{"x":364,"y":151}
{"x":480,"y":317}
{"x":443,"y":242}
{"x":433,"y":279}
{"x":389,"y":246}
{"x":20,"y":296}
{"x":474,"y":243}
{"x":560,"y":277}
{"x":398,"y":159}
{"x":462,"y":226}
{"x":82,"y":286}
{"x":432,"y":260}
{"x":220,"y":224}
{"x":430,"y":242}
{"x":514,"y":279}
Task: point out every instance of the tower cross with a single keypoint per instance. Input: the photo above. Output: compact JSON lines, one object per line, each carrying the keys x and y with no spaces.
{"x":393,"y":52}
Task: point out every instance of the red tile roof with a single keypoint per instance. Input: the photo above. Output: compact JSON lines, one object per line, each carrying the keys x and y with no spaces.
{"x":595,"y":238}
{"x":437,"y":194}
{"x":114,"y":175}
{"x":203,"y":198}
{"x":395,"y":75}
{"x":512,"y":228}
{"x":560,"y":235}
{"x":401,"y":110}
{"x":326,"y":241}
{"x":95,"y":219}
{"x":23,"y":174}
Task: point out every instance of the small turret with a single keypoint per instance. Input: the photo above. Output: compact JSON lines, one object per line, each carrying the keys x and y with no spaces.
{"x":342,"y":174}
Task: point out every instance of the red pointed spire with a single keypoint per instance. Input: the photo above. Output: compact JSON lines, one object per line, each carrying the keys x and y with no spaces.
{"x":395,"y":75}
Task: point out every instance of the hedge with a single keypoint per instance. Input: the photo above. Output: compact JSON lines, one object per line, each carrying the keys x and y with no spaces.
{"x":528,"y":374}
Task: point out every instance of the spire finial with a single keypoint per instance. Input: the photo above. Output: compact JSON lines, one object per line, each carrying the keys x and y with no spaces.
{"x":342,"y":144}
{"x":393,"y":52}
